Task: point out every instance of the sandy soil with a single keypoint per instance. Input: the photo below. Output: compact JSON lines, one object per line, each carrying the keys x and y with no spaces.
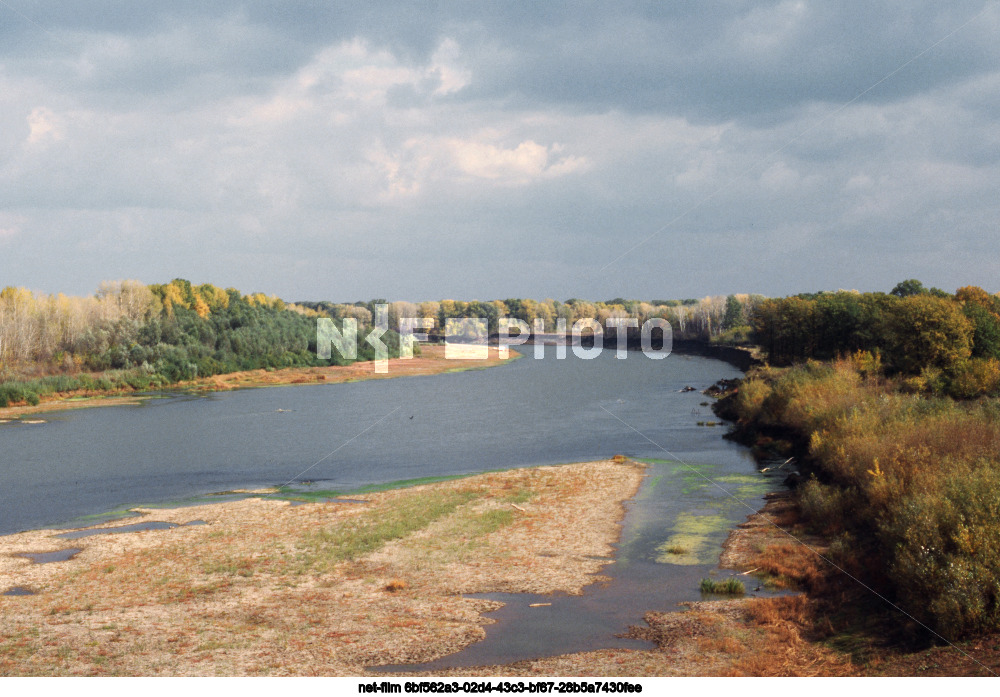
{"x":831,"y":628}
{"x":269,"y":588}
{"x":431,"y":362}
{"x":264,"y":587}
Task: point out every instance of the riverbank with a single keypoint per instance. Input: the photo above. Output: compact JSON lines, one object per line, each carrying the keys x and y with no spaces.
{"x":263,"y":587}
{"x":828,"y":627}
{"x":431,"y":361}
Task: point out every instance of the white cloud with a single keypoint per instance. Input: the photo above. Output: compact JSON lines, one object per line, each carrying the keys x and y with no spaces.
{"x":768,"y":29}
{"x":44,"y":126}
{"x":780,"y":177}
{"x":447,"y":67}
{"x":446,"y":161}
{"x":297,"y":144}
{"x":517,"y":165}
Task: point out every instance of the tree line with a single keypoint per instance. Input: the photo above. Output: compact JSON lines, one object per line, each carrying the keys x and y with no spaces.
{"x":935,"y":340}
{"x":148,"y":336}
{"x":717,"y":318}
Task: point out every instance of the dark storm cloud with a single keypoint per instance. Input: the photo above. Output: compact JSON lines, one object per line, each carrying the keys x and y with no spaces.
{"x":262,"y":144}
{"x":712,"y":61}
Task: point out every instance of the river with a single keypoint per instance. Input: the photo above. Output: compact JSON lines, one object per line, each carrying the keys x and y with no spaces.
{"x":80,"y":465}
{"x":527,"y":412}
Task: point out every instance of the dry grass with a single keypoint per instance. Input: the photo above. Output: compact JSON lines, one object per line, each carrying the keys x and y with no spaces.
{"x":242,"y":596}
{"x":266,"y":588}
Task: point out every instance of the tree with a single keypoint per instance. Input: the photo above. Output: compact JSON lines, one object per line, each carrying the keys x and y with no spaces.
{"x":905,"y":289}
{"x":733,"y":316}
{"x":926,"y":331}
{"x":982,"y":310}
{"x":785,"y":328}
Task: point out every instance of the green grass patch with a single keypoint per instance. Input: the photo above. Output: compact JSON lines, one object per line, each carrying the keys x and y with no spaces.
{"x":730,"y":586}
{"x":697,"y":535}
{"x":490,"y":521}
{"x":244,"y":567}
{"x":287,"y":493}
{"x":407,"y":483}
{"x":369,"y":531}
{"x":522,"y":495}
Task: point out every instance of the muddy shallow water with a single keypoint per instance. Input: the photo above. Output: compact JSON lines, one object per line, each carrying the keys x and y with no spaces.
{"x":671,"y":539}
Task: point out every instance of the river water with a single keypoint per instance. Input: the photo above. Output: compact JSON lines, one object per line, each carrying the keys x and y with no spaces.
{"x":527,"y":412}
{"x":346,"y":436}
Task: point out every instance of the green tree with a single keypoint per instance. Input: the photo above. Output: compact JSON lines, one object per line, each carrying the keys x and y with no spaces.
{"x":905,"y":289}
{"x":734,"y":313}
{"x":925,"y":331}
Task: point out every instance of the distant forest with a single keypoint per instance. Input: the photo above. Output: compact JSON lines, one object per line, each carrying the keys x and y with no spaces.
{"x":134,"y":336}
{"x":179,"y":330}
{"x":141,"y":336}
{"x":936,"y":342}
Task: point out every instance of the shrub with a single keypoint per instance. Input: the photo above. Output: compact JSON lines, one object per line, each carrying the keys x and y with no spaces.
{"x":974,"y":378}
{"x":750,"y":398}
{"x":730,"y":586}
{"x":907,"y":483}
{"x":15,"y":392}
{"x":823,"y":506}
{"x":946,"y":553}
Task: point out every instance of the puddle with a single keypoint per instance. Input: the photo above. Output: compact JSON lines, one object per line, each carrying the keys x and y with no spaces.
{"x":19,"y":590}
{"x":49,"y":557}
{"x":135,"y":527}
{"x":671,"y":539}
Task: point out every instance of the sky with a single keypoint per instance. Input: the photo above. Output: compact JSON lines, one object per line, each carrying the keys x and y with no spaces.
{"x":411,"y":151}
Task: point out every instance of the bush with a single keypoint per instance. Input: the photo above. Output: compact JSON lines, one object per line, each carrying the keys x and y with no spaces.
{"x":907,"y":483}
{"x":823,"y":506}
{"x":750,"y":398}
{"x":16,"y":392}
{"x":946,"y":553}
{"x":974,"y":378}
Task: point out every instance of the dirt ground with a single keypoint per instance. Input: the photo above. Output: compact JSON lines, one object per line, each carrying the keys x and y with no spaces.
{"x":431,"y":361}
{"x":828,"y":627}
{"x":264,"y":587}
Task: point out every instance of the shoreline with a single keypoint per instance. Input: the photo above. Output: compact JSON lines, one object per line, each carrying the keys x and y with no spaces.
{"x":264,"y":587}
{"x":431,"y":361}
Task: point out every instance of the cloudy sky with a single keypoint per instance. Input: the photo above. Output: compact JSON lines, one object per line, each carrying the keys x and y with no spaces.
{"x":351,"y":150}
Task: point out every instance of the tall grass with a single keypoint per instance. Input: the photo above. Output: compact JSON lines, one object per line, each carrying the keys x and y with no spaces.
{"x":730,"y":586}
{"x":909,"y":483}
{"x":32,"y":390}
